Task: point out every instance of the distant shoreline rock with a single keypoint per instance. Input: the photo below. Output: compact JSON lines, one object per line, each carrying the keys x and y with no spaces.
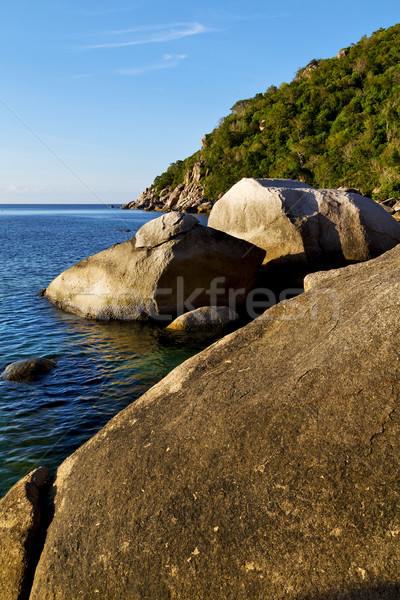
{"x":185,"y":197}
{"x":188,"y":197}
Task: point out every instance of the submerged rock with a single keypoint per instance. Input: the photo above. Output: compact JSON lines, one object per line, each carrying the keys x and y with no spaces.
{"x":203,"y":318}
{"x":20,"y":518}
{"x":267,"y":466}
{"x":303,"y":229}
{"x":30,"y":369}
{"x":179,"y":265}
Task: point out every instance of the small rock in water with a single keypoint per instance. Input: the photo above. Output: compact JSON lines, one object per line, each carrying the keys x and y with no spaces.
{"x":41,"y":292}
{"x":30,"y":369}
{"x":125,"y":230}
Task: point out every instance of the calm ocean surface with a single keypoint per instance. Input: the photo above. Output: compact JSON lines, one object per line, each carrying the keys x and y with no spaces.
{"x":102,"y":366}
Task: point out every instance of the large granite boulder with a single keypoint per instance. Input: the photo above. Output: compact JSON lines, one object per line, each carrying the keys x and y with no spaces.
{"x":20,"y":518}
{"x":178,"y":265}
{"x":267,"y":466}
{"x":304,"y":229}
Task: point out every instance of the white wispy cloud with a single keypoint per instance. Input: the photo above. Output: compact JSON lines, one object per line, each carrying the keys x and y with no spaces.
{"x":169,"y":61}
{"x":149,"y":28}
{"x":151,"y":34}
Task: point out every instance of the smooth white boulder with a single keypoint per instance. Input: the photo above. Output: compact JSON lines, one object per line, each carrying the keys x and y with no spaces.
{"x":299,"y":225}
{"x":196,"y":268}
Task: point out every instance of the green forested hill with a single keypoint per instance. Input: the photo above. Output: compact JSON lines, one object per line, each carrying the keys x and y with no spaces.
{"x":336,"y":124}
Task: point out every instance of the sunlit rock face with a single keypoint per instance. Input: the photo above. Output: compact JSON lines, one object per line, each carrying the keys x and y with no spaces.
{"x":303,"y":229}
{"x":267,"y":466}
{"x":178,"y":265}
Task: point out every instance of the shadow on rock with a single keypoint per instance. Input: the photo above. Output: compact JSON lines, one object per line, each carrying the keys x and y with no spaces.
{"x":379,"y":591}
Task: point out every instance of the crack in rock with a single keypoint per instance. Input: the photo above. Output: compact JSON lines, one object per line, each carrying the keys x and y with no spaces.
{"x":379,"y":433}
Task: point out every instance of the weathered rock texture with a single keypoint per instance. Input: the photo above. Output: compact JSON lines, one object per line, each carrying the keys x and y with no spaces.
{"x":324,"y":278}
{"x":20,"y":518}
{"x":30,"y":369}
{"x":203,"y":318}
{"x":185,"y":197}
{"x":267,"y":466}
{"x":130,"y":283}
{"x":164,"y":228}
{"x":304,"y":229}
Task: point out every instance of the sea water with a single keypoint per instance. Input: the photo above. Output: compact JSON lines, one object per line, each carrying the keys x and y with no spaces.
{"x":101,"y":366}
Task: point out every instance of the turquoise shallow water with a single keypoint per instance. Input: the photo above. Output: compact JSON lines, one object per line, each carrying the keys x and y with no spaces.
{"x":102,"y":366}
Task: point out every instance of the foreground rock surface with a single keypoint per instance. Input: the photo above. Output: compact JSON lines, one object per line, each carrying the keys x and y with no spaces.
{"x":204,"y":318}
{"x":267,"y":466}
{"x":175,"y":275}
{"x":302,"y":228}
{"x":30,"y":369}
{"x":20,"y":518}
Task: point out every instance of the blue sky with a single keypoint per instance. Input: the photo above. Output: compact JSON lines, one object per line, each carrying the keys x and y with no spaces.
{"x":97,"y":98}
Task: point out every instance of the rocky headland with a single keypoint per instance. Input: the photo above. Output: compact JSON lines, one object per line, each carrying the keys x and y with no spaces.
{"x":335,"y":124}
{"x":187,"y":196}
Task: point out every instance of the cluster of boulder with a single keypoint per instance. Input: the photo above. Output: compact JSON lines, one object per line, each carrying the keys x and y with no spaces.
{"x":267,"y":466}
{"x":267,"y":232}
{"x":173,"y":265}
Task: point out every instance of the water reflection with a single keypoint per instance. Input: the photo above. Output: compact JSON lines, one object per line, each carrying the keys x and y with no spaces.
{"x":101,"y":368}
{"x":113,"y":339}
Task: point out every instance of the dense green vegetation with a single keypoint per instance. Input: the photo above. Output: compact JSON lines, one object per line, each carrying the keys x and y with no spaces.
{"x":337,"y":123}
